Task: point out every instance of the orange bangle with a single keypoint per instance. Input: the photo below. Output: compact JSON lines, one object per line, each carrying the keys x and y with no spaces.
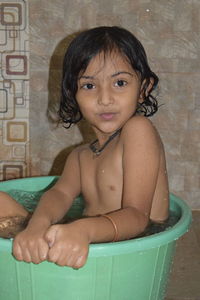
{"x":114,"y":225}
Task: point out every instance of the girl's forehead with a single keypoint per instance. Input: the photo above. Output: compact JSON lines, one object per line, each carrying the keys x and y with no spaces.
{"x":108,"y":61}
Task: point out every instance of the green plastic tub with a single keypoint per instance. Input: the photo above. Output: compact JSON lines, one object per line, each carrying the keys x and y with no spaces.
{"x":137,"y":269}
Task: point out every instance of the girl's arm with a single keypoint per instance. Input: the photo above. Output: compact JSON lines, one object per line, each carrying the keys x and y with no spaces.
{"x":141,"y":159}
{"x":55,"y":203}
{"x":30,"y":245}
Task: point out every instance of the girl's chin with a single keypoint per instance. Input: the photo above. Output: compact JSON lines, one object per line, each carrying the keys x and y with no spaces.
{"x":106,"y":131}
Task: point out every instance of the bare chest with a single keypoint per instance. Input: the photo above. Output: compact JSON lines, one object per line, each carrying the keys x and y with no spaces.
{"x":101,"y":181}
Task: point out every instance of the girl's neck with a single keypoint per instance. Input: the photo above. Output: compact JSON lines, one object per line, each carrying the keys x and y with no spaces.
{"x":98,"y":148}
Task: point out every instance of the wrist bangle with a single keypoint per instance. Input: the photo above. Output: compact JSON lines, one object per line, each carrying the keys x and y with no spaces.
{"x":114,"y":225}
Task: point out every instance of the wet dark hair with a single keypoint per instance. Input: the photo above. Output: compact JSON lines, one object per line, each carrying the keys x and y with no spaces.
{"x":87,"y":45}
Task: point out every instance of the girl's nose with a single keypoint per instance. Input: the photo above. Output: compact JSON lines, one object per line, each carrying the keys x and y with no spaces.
{"x":105,"y":97}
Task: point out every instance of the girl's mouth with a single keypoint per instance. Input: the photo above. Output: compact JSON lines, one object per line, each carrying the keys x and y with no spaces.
{"x":107,"y":116}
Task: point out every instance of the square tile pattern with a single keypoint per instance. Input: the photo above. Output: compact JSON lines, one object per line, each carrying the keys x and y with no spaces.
{"x":14,"y":89}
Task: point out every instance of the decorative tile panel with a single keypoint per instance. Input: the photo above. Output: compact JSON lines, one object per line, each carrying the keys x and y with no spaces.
{"x":14,"y":89}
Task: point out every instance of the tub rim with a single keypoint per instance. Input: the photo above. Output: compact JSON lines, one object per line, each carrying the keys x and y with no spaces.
{"x":141,"y":244}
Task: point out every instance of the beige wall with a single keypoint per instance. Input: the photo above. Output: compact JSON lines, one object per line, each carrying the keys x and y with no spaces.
{"x":169,"y":31}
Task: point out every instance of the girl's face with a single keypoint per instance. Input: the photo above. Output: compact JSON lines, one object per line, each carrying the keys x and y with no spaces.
{"x":108,"y":92}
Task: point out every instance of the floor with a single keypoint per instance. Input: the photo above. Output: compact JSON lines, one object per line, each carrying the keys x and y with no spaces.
{"x":184,"y":283}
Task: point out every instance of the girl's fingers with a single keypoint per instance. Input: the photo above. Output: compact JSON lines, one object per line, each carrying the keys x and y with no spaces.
{"x":50,"y":236}
{"x":43,"y":252}
{"x":73,"y":260}
{"x":80,"y":262}
{"x":60,"y":257}
{"x":68,"y":260}
{"x":32,"y":253}
{"x":27,"y":257}
{"x":21,"y":255}
{"x":17,"y":251}
{"x":53,"y":255}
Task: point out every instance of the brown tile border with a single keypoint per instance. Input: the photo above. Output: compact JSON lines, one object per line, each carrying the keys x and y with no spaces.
{"x":19,"y":57}
{"x":3,"y":13}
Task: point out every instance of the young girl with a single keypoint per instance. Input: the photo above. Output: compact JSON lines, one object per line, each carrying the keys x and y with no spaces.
{"x":122,"y":174}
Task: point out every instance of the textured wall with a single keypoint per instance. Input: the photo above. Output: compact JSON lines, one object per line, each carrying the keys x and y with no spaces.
{"x":169,"y":30}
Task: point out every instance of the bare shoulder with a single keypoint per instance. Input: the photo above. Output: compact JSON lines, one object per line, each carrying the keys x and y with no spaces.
{"x":76,"y":156}
{"x":140,"y":128}
{"x":78,"y":150}
{"x":70,"y":181}
{"x":73,"y":161}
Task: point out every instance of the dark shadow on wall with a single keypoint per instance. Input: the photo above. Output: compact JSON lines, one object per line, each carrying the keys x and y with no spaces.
{"x":55,"y":77}
{"x":54,"y":88}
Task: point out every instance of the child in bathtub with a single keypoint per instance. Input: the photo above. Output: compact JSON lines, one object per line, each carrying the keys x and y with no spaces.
{"x":122,"y":174}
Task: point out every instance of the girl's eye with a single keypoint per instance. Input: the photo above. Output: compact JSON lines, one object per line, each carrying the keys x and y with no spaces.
{"x":120,"y":83}
{"x":88,"y":86}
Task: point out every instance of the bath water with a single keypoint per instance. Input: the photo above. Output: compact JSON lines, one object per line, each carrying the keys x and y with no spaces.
{"x":30,"y":199}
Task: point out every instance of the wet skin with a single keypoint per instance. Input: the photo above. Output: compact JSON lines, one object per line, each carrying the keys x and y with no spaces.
{"x":127,"y":180}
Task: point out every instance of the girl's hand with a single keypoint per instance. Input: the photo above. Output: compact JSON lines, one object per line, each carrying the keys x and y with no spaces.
{"x":30,"y":246}
{"x":68,"y":244}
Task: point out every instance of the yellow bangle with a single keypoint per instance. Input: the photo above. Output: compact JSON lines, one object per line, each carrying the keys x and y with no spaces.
{"x":114,"y":225}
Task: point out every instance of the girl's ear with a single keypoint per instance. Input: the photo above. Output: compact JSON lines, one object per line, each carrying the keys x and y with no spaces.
{"x":145,"y":90}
